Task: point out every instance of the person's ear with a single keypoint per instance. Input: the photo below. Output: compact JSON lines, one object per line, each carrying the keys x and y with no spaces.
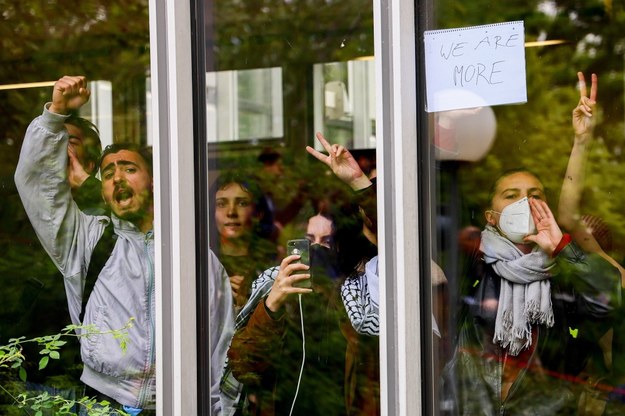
{"x":490,"y":217}
{"x":90,"y":167}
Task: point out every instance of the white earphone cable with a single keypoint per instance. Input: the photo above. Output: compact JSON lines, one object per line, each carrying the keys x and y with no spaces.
{"x":301,"y":370}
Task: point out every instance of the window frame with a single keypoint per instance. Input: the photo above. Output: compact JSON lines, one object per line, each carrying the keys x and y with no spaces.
{"x":177,"y":55}
{"x":174,"y":198}
{"x":403,"y":191}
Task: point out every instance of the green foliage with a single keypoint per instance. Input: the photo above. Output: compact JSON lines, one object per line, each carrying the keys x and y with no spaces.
{"x":45,"y":403}
{"x":12,"y":358}
{"x":266,"y":33}
{"x":43,"y":40}
{"x":538,"y":135}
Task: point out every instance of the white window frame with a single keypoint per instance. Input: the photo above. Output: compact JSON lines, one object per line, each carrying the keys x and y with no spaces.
{"x":396,"y":115}
{"x":398,"y":206}
{"x":174,"y":221}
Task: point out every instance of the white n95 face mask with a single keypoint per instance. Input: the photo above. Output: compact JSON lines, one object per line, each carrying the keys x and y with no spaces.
{"x":515,"y":221}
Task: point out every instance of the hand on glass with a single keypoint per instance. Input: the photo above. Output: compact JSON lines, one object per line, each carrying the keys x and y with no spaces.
{"x":342,"y":163}
{"x":548,"y":233}
{"x":583,"y":122}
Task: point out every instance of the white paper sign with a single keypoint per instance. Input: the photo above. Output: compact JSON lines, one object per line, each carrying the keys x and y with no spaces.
{"x":475,"y":66}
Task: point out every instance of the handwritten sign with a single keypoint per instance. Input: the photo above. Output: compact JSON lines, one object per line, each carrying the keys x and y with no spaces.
{"x":475,"y":66}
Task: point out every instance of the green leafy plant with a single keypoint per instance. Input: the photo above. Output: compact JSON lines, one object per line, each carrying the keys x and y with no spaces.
{"x":12,"y":358}
{"x":62,"y":406}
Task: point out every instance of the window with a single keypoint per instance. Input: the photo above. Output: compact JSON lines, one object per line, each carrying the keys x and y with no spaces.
{"x":278,"y":73}
{"x":107,"y":42}
{"x":496,"y":355}
{"x":244,"y":105}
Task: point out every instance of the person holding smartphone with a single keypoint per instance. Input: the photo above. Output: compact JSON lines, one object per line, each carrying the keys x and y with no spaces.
{"x":284,"y":317}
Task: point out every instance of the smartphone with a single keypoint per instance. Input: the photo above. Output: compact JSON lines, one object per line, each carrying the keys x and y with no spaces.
{"x":301,"y":247}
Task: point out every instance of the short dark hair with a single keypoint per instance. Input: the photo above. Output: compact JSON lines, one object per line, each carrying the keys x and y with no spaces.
{"x":91,"y":137}
{"x":505,"y":174}
{"x":144,"y":151}
{"x":269,"y":156}
{"x":246,"y":181}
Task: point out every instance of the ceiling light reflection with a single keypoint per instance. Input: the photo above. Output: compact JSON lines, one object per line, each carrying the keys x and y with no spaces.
{"x":544,"y":43}
{"x":27,"y":85}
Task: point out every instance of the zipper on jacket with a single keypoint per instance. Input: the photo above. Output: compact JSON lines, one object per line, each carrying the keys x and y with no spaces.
{"x":149,"y":292}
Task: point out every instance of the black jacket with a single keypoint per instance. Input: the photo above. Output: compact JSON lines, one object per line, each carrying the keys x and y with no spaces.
{"x":585,"y":291}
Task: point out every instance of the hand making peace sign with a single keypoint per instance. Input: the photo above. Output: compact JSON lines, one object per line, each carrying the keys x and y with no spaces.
{"x":342,"y":163}
{"x":583,"y":122}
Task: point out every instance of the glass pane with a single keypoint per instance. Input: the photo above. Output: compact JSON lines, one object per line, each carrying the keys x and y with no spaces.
{"x":244,"y":105}
{"x":277,"y":73}
{"x":528,"y":224}
{"x":56,"y":232}
{"x":346,"y":108}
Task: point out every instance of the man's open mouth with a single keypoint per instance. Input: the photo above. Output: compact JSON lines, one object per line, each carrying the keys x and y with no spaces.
{"x":123,"y":196}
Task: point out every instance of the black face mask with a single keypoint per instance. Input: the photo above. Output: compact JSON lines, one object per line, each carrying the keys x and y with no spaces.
{"x":323,"y":262}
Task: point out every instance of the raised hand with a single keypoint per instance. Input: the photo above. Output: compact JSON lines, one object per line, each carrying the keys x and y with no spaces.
{"x":69,"y":93}
{"x":238,"y":292}
{"x":283,"y":286}
{"x":76,"y":172}
{"x":548,"y":233}
{"x":583,"y":122}
{"x":342,"y":163}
